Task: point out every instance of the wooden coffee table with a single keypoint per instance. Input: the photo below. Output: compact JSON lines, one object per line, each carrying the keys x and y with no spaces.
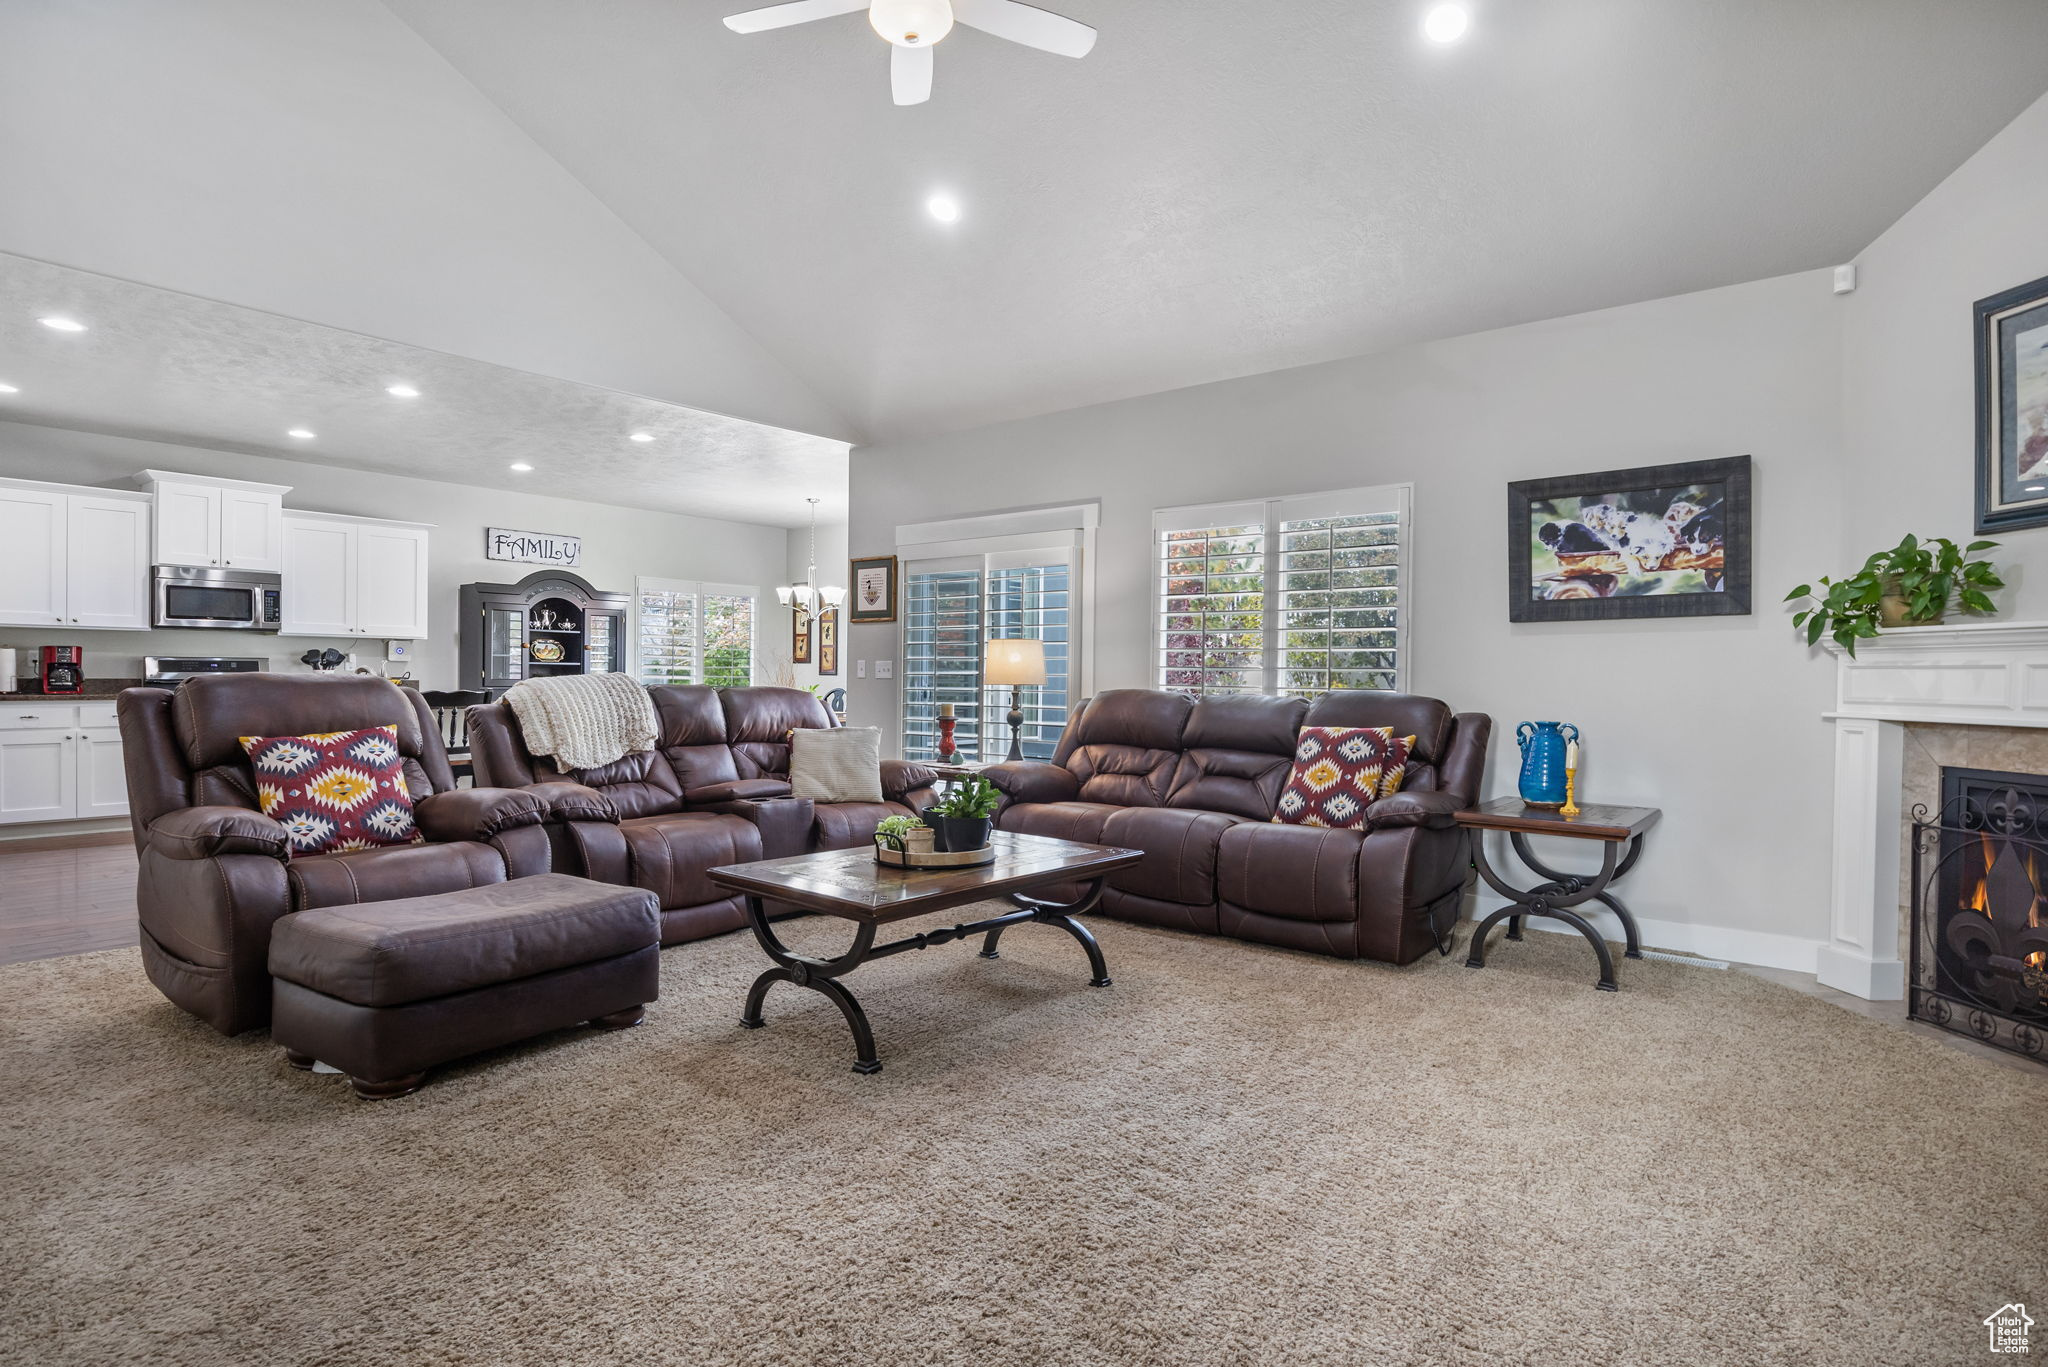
{"x":1561,"y":892}
{"x":850,"y":884}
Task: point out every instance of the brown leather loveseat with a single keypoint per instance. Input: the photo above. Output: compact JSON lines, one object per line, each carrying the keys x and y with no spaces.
{"x":715,"y":790}
{"x":215,"y":873}
{"x":1194,"y":782}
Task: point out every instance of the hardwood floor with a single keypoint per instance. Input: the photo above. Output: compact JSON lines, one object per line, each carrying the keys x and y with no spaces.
{"x":69,"y":901}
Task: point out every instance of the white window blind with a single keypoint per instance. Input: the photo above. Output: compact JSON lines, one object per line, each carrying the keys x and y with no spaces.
{"x":1297,"y":596}
{"x":953,"y":607}
{"x":687,"y":632}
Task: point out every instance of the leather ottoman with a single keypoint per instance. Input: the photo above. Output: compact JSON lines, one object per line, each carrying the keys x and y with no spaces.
{"x":385,"y":990}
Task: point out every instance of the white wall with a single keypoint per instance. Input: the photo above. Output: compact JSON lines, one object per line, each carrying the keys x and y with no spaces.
{"x":318,"y":159}
{"x":1716,"y":720}
{"x":618,"y":544}
{"x":1909,"y":397}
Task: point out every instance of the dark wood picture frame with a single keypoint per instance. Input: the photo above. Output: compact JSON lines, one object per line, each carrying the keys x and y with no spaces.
{"x":1997,"y":326}
{"x":799,"y":638}
{"x":1733,"y":599}
{"x":828,"y":643}
{"x":886,"y":566}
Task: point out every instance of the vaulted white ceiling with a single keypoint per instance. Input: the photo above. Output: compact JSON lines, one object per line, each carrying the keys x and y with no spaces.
{"x":629,"y":195}
{"x":1223,"y":188}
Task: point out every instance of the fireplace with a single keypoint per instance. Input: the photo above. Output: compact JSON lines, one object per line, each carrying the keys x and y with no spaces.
{"x":1979,"y":949}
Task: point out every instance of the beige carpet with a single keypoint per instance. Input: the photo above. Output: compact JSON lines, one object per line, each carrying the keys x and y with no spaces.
{"x":1234,"y":1155}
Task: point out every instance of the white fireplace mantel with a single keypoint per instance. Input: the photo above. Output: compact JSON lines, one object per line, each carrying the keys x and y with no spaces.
{"x":1967,"y":674}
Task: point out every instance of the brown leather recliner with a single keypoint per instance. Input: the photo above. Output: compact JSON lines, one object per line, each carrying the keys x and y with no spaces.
{"x":216,"y":873}
{"x":1194,"y":783}
{"x":715,"y":790}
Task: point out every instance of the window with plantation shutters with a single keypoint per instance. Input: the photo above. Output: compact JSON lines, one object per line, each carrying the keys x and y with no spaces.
{"x":954,"y":606}
{"x":687,"y":633}
{"x":1297,"y":595}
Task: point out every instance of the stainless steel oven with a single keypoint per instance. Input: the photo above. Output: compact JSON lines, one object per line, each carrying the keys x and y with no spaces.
{"x":236,"y":600}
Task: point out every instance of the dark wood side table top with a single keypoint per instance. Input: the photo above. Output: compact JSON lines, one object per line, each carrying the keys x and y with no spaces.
{"x":1595,"y":821}
{"x":851,"y":884}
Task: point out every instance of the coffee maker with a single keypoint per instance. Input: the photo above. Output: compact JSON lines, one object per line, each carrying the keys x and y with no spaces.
{"x":62,"y":669}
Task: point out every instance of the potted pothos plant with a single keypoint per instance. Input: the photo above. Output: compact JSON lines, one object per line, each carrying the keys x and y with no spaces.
{"x":903,"y":834}
{"x":1915,"y":583}
{"x":965,"y":815}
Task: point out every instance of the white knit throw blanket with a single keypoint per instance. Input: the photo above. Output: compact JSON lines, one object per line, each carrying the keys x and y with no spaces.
{"x":583,"y":721}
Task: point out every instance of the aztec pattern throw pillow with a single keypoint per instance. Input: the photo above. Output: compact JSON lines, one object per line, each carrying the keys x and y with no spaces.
{"x":336,"y":790}
{"x":1337,"y":774}
{"x":1397,"y":765}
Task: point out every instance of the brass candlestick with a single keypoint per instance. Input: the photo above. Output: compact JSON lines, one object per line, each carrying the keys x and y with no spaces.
{"x":1571,"y":795}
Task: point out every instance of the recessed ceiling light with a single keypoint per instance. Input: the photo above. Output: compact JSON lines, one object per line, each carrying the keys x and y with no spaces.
{"x":1447,"y":23}
{"x":301,"y":433}
{"x":944,"y":208}
{"x":58,"y":323}
{"x":8,"y":389}
{"x":521,"y":466}
{"x":401,"y":391}
{"x":641,"y":436}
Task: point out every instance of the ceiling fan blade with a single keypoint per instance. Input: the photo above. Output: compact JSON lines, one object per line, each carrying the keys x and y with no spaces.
{"x":1027,"y":24}
{"x":796,"y":12}
{"x":910,"y":73}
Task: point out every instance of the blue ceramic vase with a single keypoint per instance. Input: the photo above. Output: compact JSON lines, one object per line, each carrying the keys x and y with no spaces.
{"x":1543,"y":750}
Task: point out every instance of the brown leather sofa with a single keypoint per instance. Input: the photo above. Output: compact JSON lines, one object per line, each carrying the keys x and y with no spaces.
{"x":1193,"y":783}
{"x":215,"y":873}
{"x":715,"y":790}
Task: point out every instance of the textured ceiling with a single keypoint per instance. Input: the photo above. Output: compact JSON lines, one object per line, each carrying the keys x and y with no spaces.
{"x":171,"y":367}
{"x":1224,"y":188}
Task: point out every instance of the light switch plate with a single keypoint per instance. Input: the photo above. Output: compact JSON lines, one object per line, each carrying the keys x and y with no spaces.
{"x":860,"y":669}
{"x":885,"y":669}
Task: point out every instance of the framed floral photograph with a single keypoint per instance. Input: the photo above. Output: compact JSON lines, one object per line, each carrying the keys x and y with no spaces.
{"x":1658,"y":541}
{"x":874,"y":590}
{"x":2012,"y":408}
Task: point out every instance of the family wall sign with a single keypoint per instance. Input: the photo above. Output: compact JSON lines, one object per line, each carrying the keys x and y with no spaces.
{"x":532,"y":548}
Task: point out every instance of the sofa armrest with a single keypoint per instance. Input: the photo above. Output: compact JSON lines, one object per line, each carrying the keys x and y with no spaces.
{"x":900,"y":776}
{"x":740,"y":789}
{"x":784,"y":822}
{"x":575,"y":802}
{"x":204,"y":832}
{"x":477,"y":813}
{"x":1034,"y":781}
{"x":1431,"y":809}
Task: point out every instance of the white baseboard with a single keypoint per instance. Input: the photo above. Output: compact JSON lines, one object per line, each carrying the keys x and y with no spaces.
{"x":1761,"y":947}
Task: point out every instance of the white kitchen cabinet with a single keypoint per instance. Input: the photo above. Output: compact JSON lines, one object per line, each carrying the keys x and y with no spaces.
{"x":60,"y":762}
{"x":354,"y":576}
{"x":106,"y":562}
{"x":38,"y":775}
{"x":230,"y":523}
{"x":73,"y":556}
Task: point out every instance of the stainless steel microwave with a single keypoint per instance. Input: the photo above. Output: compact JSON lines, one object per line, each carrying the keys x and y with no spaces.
{"x":235,"y":600}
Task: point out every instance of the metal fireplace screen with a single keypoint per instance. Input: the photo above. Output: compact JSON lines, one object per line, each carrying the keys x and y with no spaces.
{"x":1979,"y":959}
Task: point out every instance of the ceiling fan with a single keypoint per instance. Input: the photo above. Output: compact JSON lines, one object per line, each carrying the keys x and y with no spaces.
{"x":912,"y":26}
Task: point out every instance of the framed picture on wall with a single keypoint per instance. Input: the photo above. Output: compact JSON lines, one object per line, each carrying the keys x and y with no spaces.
{"x":1659,"y":541}
{"x":2012,"y":408}
{"x":799,"y":638}
{"x":828,"y":642}
{"x":874,"y":590}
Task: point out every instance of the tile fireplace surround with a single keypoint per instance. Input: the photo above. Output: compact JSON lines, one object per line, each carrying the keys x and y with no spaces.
{"x":1898,"y":707}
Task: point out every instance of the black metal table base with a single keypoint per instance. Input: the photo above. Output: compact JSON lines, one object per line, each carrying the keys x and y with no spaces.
{"x":1557,"y":899}
{"x":822,"y":975}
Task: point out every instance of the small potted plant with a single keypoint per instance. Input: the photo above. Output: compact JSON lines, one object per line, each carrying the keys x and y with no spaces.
{"x":1912,"y":584}
{"x":965,"y":815}
{"x":903,"y":834}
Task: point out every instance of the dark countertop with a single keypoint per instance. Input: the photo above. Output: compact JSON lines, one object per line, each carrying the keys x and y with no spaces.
{"x":96,"y":690}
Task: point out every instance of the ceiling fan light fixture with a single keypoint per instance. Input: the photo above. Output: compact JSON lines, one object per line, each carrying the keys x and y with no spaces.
{"x":911,"y":23}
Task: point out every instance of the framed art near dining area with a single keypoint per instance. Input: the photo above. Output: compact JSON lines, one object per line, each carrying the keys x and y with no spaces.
{"x":874,"y":590}
{"x":1657,"y":541}
{"x":828,"y":642}
{"x":2012,"y":408}
{"x":799,"y":638}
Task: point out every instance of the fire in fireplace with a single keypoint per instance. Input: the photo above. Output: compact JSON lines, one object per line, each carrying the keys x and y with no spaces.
{"x":1979,"y":962}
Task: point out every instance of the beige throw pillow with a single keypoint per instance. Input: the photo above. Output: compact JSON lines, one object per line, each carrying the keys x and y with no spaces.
{"x":843,"y":764}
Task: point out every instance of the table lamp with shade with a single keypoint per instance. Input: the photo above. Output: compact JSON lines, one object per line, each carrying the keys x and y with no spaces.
{"x":1020,"y":665}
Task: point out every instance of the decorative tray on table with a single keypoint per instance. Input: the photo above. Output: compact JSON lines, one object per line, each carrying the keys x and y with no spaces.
{"x":933,"y":859}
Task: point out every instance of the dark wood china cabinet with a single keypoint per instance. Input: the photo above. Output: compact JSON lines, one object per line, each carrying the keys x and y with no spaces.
{"x":551,"y":622}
